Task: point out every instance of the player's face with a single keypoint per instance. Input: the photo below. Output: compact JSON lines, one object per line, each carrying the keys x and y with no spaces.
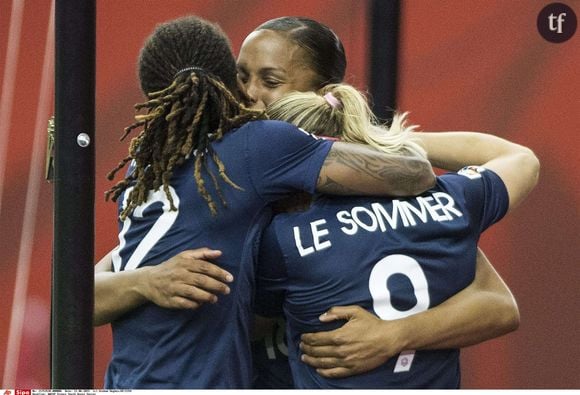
{"x":270,"y":65}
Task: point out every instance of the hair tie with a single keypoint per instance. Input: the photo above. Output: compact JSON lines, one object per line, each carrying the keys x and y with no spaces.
{"x":332,"y":100}
{"x":191,"y":68}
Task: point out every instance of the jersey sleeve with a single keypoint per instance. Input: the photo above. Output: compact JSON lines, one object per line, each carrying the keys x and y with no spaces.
{"x":271,"y":275}
{"x":283,"y":159}
{"x":485,"y":194}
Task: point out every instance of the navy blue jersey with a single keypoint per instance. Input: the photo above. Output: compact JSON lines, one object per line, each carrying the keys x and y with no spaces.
{"x":270,"y":357}
{"x":155,"y":347}
{"x":393,"y":257}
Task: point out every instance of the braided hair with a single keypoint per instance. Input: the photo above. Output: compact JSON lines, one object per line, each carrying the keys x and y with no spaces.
{"x":188,"y":72}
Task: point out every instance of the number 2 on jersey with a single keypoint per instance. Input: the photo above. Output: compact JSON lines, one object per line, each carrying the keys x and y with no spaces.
{"x":157,"y":231}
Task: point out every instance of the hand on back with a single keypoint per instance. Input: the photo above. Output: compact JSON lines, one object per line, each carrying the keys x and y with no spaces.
{"x":363,"y":343}
{"x":187,"y":280}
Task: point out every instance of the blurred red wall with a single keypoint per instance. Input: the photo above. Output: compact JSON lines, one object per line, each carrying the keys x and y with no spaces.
{"x":483,"y":66}
{"x":464,"y":66}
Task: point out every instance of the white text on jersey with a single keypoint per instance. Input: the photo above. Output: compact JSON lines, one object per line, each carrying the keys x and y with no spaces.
{"x":438,"y":207}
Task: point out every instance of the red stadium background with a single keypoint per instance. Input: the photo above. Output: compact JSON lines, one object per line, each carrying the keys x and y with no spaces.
{"x":464,"y":65}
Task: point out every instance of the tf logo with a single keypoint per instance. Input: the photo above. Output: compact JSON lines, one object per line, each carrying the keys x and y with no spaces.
{"x":557,"y":22}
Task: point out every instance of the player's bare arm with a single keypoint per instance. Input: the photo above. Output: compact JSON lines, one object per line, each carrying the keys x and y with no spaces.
{"x":353,"y":169}
{"x":516,"y":165}
{"x":185,"y":281}
{"x":491,"y":295}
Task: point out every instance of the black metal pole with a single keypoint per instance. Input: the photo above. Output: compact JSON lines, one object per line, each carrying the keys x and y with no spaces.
{"x":74,"y":187}
{"x":384,"y":25}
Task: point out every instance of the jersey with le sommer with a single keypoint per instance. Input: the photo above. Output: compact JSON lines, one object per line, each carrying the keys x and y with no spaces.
{"x":393,"y":257}
{"x":155,"y":347}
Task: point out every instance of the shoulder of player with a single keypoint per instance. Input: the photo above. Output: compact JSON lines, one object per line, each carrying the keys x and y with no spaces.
{"x":453,"y":184}
{"x":283,"y":219}
{"x":467,"y":175}
{"x":259,"y":128}
{"x":322,"y":207}
{"x":470,"y":182}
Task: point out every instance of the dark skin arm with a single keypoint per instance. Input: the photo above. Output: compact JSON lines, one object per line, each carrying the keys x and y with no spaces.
{"x":186,"y":281}
{"x":346,"y":351}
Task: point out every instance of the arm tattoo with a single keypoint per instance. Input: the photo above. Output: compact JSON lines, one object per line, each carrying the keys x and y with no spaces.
{"x":362,"y":170}
{"x":332,"y":187}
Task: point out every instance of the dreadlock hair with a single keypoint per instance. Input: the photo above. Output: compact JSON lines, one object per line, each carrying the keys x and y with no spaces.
{"x":188,"y":73}
{"x":340,"y":110}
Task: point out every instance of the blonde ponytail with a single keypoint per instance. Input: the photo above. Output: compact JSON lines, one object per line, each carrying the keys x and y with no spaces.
{"x":345,"y":114}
